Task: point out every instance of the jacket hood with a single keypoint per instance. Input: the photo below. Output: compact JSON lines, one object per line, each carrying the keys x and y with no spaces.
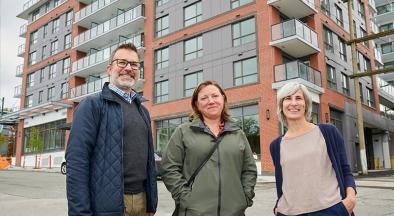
{"x":229,"y":125}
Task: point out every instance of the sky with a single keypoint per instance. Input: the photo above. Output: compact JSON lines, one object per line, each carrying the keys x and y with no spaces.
{"x":9,"y":42}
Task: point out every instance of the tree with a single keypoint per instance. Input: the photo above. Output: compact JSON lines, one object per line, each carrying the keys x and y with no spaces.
{"x":35,"y":144}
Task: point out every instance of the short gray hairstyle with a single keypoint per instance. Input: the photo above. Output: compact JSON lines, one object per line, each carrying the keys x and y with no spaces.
{"x":287,"y":90}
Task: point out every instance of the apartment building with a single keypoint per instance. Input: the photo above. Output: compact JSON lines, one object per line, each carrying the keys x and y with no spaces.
{"x":251,"y":48}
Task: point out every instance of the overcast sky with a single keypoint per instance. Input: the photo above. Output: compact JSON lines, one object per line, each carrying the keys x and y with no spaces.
{"x":9,"y":42}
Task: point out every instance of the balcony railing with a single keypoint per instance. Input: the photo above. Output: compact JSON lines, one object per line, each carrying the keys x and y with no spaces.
{"x":103,"y":55}
{"x":19,"y":70}
{"x":372,"y":4}
{"x":21,"y":50}
{"x":29,"y":3}
{"x":17,"y":91}
{"x":88,"y":88}
{"x":109,"y":25}
{"x":22,"y":30}
{"x":297,"y":69}
{"x":378,"y":55}
{"x":295,"y":38}
{"x":92,"y":8}
{"x":385,"y":86}
{"x":374,"y":27}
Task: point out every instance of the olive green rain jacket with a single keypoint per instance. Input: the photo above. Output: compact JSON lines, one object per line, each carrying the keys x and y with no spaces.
{"x":225,"y":185}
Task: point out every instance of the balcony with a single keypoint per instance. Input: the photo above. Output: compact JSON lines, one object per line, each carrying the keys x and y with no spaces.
{"x":22,"y":30}
{"x":387,"y":52}
{"x":19,"y":70}
{"x":294,"y":8}
{"x":298,"y":72}
{"x":378,"y":56}
{"x":21,"y":50}
{"x":123,"y":24}
{"x":80,"y":92}
{"x":372,"y":5}
{"x":17,"y":91}
{"x":374,"y":27}
{"x":96,"y":62}
{"x":294,"y":38}
{"x":100,"y":11}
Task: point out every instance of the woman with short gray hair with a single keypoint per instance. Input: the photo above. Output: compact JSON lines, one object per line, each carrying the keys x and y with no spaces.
{"x":312,"y":173}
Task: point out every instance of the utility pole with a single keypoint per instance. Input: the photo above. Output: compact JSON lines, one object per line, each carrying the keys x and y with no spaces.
{"x":2,"y":106}
{"x":356,"y":76}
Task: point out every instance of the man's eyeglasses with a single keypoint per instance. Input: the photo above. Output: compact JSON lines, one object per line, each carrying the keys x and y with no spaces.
{"x":122,"y":63}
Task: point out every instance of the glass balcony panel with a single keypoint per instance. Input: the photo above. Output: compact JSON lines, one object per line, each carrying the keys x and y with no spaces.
{"x":292,"y":70}
{"x":317,"y":78}
{"x":303,"y":71}
{"x":120,"y":19}
{"x":276,"y":32}
{"x":299,"y":28}
{"x":288,"y":28}
{"x":280,"y":72}
{"x":311,"y":75}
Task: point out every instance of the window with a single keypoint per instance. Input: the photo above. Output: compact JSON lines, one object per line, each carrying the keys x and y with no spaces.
{"x":55,"y":25}
{"x":52,"y":71}
{"x":361,"y":9}
{"x":239,"y":3}
{"x":56,"y":3}
{"x":67,"y":41}
{"x":193,"y":48}
{"x":315,"y":115}
{"x":30,"y":80}
{"x":45,"y":30}
{"x":64,"y":90}
{"x":339,"y":15}
{"x":247,"y":117}
{"x":386,"y":27}
{"x":355,"y":29}
{"x":162,"y":26}
{"x":190,"y":82}
{"x":161,"y":91}
{"x":385,"y":8}
{"x":161,"y":2}
{"x":336,"y":119}
{"x":69,"y":18}
{"x":331,"y":77}
{"x":35,"y":15}
{"x":161,"y":58}
{"x":328,"y":44}
{"x":52,"y":136}
{"x":342,"y":49}
{"x":192,"y":14}
{"x":43,"y":52}
{"x":363,"y":34}
{"x":66,"y":66}
{"x":345,"y":84}
{"x":325,"y":7}
{"x":164,"y":129}
{"x":245,"y":71}
{"x":51,"y":92}
{"x":29,"y":101}
{"x":32,"y":58}
{"x":42,"y":74}
{"x":244,"y":32}
{"x":54,"y":47}
{"x":370,"y":98}
{"x":40,"y":96}
{"x":387,"y":47}
{"x":33,"y":37}
{"x":46,"y":7}
{"x":361,"y":92}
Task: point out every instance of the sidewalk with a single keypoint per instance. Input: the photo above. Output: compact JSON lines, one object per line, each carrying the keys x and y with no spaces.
{"x":31,"y":169}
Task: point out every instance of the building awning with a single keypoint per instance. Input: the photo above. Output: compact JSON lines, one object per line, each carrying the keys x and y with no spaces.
{"x":51,"y":106}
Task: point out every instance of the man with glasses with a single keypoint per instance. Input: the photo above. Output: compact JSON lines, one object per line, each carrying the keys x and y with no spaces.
{"x":110,"y":157}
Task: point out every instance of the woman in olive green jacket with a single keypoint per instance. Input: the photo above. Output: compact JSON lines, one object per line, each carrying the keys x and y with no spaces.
{"x":225,"y":184}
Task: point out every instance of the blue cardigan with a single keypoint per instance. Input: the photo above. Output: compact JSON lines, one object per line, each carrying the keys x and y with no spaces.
{"x":336,"y":152}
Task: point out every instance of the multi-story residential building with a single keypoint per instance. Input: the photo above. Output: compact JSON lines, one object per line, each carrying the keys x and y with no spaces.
{"x":249,"y":47}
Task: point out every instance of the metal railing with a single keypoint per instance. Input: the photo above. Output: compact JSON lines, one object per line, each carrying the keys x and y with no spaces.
{"x":22,"y":29}
{"x":105,"y":53}
{"x":21,"y":49}
{"x":385,"y":86}
{"x":19,"y":70}
{"x":293,"y":27}
{"x":126,"y":17}
{"x":88,"y":88}
{"x":92,"y":8}
{"x":297,"y":69}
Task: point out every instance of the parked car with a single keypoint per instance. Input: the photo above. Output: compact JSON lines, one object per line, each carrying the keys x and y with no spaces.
{"x":63,"y":167}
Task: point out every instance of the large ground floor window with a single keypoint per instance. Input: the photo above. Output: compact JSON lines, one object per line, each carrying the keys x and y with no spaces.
{"x":49,"y":134}
{"x":164,"y":129}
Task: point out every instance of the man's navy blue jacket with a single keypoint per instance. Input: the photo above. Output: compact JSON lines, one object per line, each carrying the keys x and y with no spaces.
{"x":95,"y":158}
{"x":336,"y":152}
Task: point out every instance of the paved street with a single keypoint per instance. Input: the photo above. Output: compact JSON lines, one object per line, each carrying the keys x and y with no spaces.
{"x":41,"y":194}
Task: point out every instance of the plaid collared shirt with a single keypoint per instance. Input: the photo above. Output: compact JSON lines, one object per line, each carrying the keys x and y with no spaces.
{"x":128,"y":97}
